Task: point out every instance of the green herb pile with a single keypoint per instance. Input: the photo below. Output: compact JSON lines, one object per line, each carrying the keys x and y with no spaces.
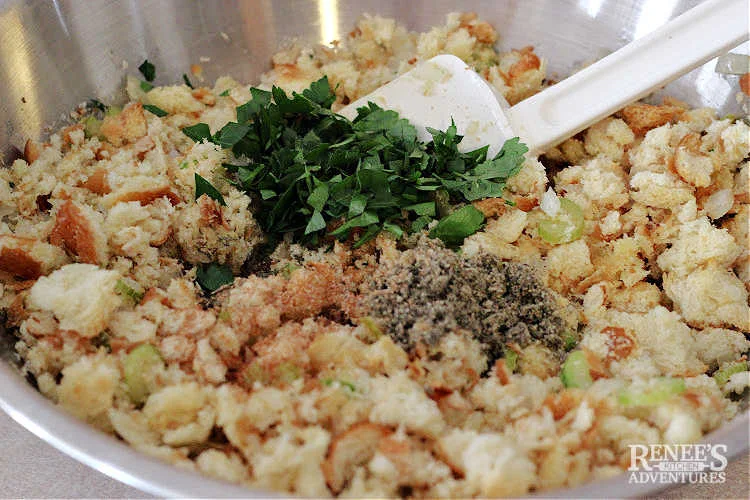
{"x":317,"y":173}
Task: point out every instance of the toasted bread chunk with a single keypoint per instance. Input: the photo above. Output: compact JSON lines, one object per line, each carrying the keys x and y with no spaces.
{"x":81,"y":296}
{"x":31,"y":151}
{"x":354,"y":447}
{"x":97,"y":182}
{"x":642,"y":117}
{"x":149,"y":196}
{"x":78,"y":229}
{"x":143,"y":189}
{"x":128,"y":126}
{"x":28,"y":258}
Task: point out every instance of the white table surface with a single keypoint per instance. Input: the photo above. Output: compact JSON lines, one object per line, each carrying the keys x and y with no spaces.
{"x":30,"y":468}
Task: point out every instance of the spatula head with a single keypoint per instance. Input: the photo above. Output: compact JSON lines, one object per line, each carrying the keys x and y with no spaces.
{"x":442,"y":89}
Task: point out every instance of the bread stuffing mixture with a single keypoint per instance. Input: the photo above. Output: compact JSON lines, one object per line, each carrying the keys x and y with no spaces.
{"x":244,"y":283}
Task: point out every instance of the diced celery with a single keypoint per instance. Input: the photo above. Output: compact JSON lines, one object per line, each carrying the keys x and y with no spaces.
{"x":124,"y":289}
{"x":564,"y":227}
{"x":138,"y":364}
{"x":659,"y":391}
{"x":288,"y":372}
{"x":575,"y":371}
{"x":511,"y":359}
{"x":113,"y":111}
{"x":723,"y":375}
{"x":372,"y":327}
{"x":91,"y":126}
{"x":343,"y":383}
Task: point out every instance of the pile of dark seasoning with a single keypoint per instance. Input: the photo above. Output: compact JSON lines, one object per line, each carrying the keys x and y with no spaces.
{"x":429,"y":291}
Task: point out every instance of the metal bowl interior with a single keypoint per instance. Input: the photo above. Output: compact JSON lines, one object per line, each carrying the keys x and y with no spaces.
{"x":56,"y":54}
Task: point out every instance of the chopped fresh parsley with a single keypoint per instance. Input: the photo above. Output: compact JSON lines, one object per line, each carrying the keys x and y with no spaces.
{"x":155,"y":110}
{"x":213,"y":276}
{"x":198,"y":132}
{"x":148,"y":70}
{"x":145,"y":86}
{"x":316,"y":173}
{"x":187,"y":80}
{"x":225,"y":93}
{"x":202,"y":186}
{"x":454,"y":228}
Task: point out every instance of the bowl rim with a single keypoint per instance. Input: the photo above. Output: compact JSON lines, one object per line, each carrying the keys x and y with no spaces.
{"x":123,"y":463}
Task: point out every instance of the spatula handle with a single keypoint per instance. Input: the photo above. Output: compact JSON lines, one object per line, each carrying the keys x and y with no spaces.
{"x":636,"y":70}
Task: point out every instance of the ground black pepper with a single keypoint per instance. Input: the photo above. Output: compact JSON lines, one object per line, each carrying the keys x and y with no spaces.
{"x":429,"y":291}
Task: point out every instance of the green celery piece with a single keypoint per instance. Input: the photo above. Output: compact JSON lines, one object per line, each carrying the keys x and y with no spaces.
{"x":565,"y":227}
{"x":575,"y":371}
{"x":722,"y":375}
{"x":125,"y":290}
{"x":138,"y":363}
{"x":660,"y":390}
{"x":511,"y":359}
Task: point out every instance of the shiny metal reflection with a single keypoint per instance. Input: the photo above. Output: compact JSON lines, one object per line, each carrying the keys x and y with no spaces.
{"x":328,"y":10}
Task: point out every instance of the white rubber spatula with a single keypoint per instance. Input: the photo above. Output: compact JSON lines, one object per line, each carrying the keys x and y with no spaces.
{"x":444,"y":87}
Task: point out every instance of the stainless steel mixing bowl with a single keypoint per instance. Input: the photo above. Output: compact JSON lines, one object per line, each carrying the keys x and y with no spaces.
{"x":55,"y":54}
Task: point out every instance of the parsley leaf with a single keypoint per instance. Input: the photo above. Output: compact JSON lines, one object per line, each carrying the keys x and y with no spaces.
{"x":458,"y":225}
{"x":202,"y":186}
{"x":145,"y":86}
{"x":187,"y":80}
{"x":310,"y":169}
{"x":155,"y":110}
{"x":230,"y":134}
{"x":198,"y":132}
{"x":213,"y":276}
{"x":316,"y":223}
{"x":320,"y":93}
{"x":148,"y":70}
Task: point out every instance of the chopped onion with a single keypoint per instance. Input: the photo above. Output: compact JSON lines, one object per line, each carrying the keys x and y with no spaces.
{"x":733,"y":64}
{"x":719,"y":203}
{"x":550,"y":203}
